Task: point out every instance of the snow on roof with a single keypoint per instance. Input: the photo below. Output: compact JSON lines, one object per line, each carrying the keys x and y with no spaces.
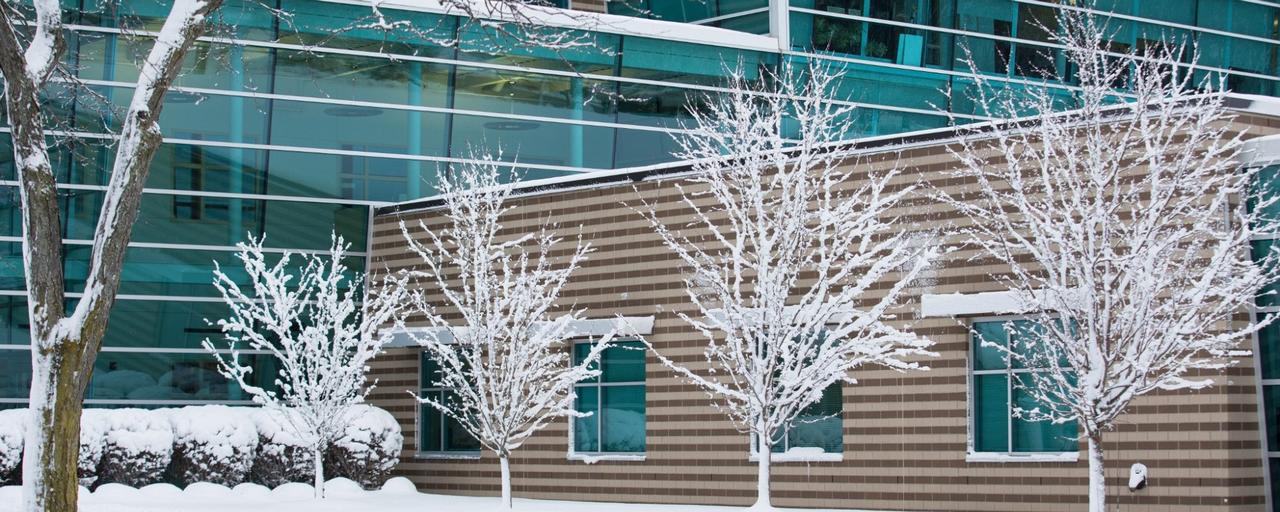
{"x":622,"y":326}
{"x":598,"y":22}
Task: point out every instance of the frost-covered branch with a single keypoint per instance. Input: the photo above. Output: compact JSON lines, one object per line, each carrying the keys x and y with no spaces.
{"x":488,"y":300}
{"x":1123,"y":224}
{"x":784,"y":250}
{"x":309,"y":321}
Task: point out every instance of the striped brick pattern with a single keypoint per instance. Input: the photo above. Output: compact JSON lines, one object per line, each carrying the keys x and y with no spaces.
{"x":905,"y":435}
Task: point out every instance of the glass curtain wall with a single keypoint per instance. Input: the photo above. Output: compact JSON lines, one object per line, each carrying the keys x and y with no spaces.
{"x":295,"y":130}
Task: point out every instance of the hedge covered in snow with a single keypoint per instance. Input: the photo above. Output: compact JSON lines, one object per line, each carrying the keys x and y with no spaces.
{"x":369,"y":450}
{"x":212,"y":443}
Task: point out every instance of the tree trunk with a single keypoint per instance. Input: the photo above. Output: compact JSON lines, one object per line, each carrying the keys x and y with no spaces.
{"x":52,"y":445}
{"x":1097,"y":477}
{"x":506,"y":481}
{"x":765,"y":455}
{"x":317,"y":456}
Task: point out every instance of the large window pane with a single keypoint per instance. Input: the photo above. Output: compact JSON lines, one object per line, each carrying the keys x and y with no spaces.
{"x":351,"y":77}
{"x":818,"y":426}
{"x":991,"y":413}
{"x":623,"y":416}
{"x":1039,"y":436}
{"x":15,"y":373}
{"x":166,"y":376}
{"x":586,"y":430}
{"x":623,"y":362}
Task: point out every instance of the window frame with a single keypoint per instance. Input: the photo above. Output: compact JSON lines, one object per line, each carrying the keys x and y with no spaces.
{"x":442,"y":453}
{"x":1009,"y":455}
{"x":599,"y":384}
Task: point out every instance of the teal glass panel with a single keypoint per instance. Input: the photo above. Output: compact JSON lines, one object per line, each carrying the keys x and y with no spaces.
{"x":989,"y":358}
{"x":1269,"y":351}
{"x":15,"y":373}
{"x":350,"y":176}
{"x":10,"y":212}
{"x":185,"y":116}
{"x":348,"y":26}
{"x":757,"y":23}
{"x":1266,"y":183}
{"x":149,"y":271}
{"x":14,"y":323}
{"x":1273,"y":466}
{"x":1040,"y":436}
{"x":11,"y":272}
{"x":532,"y":94}
{"x":362,"y":78}
{"x":429,"y":425}
{"x":586,"y":437}
{"x":820,"y":425}
{"x":580,"y":51}
{"x":357,"y":128}
{"x":673,"y":61}
{"x":681,"y":10}
{"x":623,"y":416}
{"x":241,"y":18}
{"x":580,"y":353}
{"x":209,"y":66}
{"x":221,"y":221}
{"x":533,"y":142}
{"x":1270,"y":294}
{"x":623,"y":362}
{"x":1271,"y":412}
{"x":456,"y":438}
{"x":991,"y":413}
{"x":168,"y":376}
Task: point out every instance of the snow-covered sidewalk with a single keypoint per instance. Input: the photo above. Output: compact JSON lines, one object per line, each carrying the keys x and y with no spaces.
{"x":343,"y":496}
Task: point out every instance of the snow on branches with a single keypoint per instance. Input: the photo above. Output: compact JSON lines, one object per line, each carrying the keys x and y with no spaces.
{"x":783,"y":251}
{"x":1124,"y":224}
{"x":487,"y":301}
{"x":310,"y":322}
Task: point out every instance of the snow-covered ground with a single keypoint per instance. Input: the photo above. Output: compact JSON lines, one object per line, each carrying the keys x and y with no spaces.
{"x":343,"y":496}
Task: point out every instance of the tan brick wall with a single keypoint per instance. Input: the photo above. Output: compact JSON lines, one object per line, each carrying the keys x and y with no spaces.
{"x":905,"y":435}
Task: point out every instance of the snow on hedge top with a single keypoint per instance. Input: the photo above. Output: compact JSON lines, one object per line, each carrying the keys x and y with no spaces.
{"x":273,"y":426}
{"x":221,"y":429}
{"x":369,"y":425}
{"x":138,"y":430}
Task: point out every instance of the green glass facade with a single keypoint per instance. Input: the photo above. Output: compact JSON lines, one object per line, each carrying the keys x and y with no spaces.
{"x":292,"y":130}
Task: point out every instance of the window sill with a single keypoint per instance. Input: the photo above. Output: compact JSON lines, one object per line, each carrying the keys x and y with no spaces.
{"x":447,"y":455}
{"x":800,"y":457}
{"x":588,"y":458}
{"x":1064,"y":457}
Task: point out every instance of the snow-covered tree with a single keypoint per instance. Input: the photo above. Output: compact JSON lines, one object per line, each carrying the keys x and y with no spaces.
{"x":488,"y":302}
{"x":311,"y":321}
{"x":65,"y":343}
{"x":1122,"y":226}
{"x":788,"y":252}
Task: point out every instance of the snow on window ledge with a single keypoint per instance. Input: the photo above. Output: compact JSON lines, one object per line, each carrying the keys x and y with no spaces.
{"x":801,"y":455}
{"x":1066,"y":457}
{"x":592,"y":458}
{"x":447,"y":455}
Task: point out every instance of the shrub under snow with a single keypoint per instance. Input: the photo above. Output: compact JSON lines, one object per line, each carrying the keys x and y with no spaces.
{"x":12,"y":424}
{"x":138,"y":447}
{"x":94,"y":424}
{"x":370,"y":448}
{"x":281,"y":455}
{"x":211,"y":443}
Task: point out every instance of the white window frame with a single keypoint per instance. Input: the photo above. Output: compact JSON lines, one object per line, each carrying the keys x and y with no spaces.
{"x":596,"y":456}
{"x":417,"y":420}
{"x":972,"y":455}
